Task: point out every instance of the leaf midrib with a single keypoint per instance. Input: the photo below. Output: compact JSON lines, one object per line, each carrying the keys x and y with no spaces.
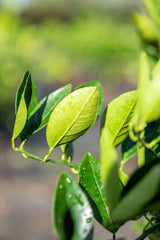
{"x":65,"y":132}
{"x":103,"y":200}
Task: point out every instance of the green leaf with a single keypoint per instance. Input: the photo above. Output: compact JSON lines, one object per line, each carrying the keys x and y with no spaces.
{"x":149,"y":99}
{"x":20,"y":90}
{"x":72,"y":214}
{"x":34,"y":97}
{"x":117,"y":115}
{"x":73,"y":116}
{"x":143,"y":84}
{"x":30,"y":93}
{"x":23,"y":99}
{"x":128,"y":149}
{"x":123,"y":177}
{"x":153,"y":8}
{"x":110,"y":174}
{"x":39,"y":117}
{"x":98,"y":85}
{"x":139,"y":192}
{"x":21,"y":118}
{"x":146,"y":27}
{"x":91,"y":182}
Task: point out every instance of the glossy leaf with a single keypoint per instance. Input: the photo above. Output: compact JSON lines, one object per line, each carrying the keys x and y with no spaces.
{"x":21,"y":118}
{"x":138,"y":197}
{"x":72,"y":214}
{"x":98,"y":85}
{"x":39,"y":117}
{"x":110,"y":174}
{"x":91,"y":182}
{"x":23,"y":99}
{"x":117,"y":115}
{"x":27,"y":87}
{"x":20,"y":90}
{"x":73,"y":116}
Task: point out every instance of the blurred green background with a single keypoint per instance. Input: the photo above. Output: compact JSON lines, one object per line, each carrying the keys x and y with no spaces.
{"x":64,"y":41}
{"x":59,"y":42}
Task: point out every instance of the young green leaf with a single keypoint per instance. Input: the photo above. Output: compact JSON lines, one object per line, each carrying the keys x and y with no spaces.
{"x":154,"y":10}
{"x":91,"y":182}
{"x":138,"y":197}
{"x":39,"y":117}
{"x":110,"y":174}
{"x":73,"y":116}
{"x":23,"y":99}
{"x":143,"y":84}
{"x":20,"y":90}
{"x":27,"y":87}
{"x":117,"y":115}
{"x":146,"y":28}
{"x":98,"y":85}
{"x":147,"y":109}
{"x":34,"y":97}
{"x":72,"y":214}
{"x":21,"y":118}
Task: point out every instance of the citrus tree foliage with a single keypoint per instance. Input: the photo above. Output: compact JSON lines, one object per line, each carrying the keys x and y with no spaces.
{"x":104,"y":190}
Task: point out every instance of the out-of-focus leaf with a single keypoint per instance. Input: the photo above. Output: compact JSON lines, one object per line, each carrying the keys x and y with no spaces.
{"x":117,"y":115}
{"x":150,"y":232}
{"x":39,"y":117}
{"x":153,"y":7}
{"x":146,"y":28}
{"x":123,"y":177}
{"x":139,"y":192}
{"x":110,"y":174}
{"x":143,"y":83}
{"x":91,"y":182}
{"x":72,"y":214}
{"x":98,"y":85}
{"x":73,"y":116}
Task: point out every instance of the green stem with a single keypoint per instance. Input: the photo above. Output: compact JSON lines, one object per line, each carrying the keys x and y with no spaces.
{"x":148,"y":231}
{"x":147,"y":147}
{"x":29,"y":155}
{"x":114,"y":236}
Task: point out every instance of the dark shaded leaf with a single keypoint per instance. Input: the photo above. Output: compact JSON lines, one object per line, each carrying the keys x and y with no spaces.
{"x":39,"y":117}
{"x":128,"y":149}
